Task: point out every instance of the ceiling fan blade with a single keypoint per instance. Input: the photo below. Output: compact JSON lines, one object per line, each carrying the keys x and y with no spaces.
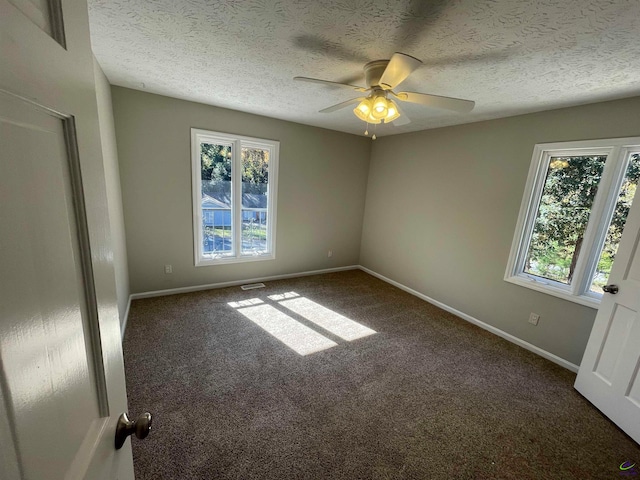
{"x":402,"y":119}
{"x":400,"y":67}
{"x":328,"y":82}
{"x":338,"y":106}
{"x":446,"y":103}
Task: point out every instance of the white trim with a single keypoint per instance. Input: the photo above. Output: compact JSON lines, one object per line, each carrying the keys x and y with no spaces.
{"x":485,"y":326}
{"x":591,"y":144}
{"x":548,"y":288}
{"x":596,"y":232}
{"x":618,"y":152}
{"x":272,"y":197}
{"x":233,"y":283}
{"x":123,"y":325}
{"x":236,"y":203}
{"x":236,"y":142}
{"x":230,"y":260}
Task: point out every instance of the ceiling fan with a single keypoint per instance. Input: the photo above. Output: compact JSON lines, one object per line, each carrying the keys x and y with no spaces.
{"x":382,"y":76}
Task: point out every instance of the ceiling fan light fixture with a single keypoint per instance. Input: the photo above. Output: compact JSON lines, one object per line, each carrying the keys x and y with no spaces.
{"x":363,"y":110}
{"x":392,"y":112}
{"x":376,"y":109}
{"x":371,"y":119}
{"x":380,"y":107}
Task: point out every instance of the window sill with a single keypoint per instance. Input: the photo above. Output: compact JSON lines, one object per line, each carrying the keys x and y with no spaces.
{"x":556,"y":292}
{"x":205,"y":262}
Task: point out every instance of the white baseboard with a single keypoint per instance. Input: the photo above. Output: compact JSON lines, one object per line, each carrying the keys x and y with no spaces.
{"x":496,"y":331}
{"x":123,"y":325}
{"x":210,"y":286}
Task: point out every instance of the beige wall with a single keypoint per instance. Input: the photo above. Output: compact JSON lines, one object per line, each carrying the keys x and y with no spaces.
{"x":321,"y":191}
{"x":442,"y":207}
{"x":114,"y":193}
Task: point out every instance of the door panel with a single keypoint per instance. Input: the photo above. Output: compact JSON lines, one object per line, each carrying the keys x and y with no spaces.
{"x":634,"y":388}
{"x":46,"y":342}
{"x":617,"y":334}
{"x":44,"y":14}
{"x":37,"y":11}
{"x":61,"y":370}
{"x":608,"y":374}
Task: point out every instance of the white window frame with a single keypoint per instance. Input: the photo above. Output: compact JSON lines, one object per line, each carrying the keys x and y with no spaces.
{"x":618,"y":152}
{"x":237,"y":142}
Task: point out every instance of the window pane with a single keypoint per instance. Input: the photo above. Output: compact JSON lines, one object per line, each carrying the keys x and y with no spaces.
{"x":570,"y":187}
{"x":614,"y":233}
{"x":255,"y":181}
{"x":217,"y":234}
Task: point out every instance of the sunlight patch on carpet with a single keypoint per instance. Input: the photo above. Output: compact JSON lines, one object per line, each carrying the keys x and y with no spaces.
{"x":292,"y":333}
{"x":324,"y":317}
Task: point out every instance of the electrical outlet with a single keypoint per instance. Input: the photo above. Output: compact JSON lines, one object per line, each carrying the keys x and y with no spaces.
{"x":534,"y":318}
{"x":168,"y":269}
{"x":330,"y":253}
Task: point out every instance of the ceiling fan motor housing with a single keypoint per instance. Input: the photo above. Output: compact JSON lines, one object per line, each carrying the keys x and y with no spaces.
{"x":373,"y":72}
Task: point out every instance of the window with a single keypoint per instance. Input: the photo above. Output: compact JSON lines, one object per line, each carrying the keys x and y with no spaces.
{"x":574,"y":209}
{"x":234,"y":197}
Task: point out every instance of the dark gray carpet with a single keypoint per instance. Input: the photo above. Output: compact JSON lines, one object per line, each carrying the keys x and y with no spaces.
{"x":429,"y":396}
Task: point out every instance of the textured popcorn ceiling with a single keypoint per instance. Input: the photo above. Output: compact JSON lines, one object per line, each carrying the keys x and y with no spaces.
{"x":509,"y":56}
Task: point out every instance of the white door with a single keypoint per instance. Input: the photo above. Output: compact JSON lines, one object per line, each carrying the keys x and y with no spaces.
{"x":609,"y":375}
{"x":61,"y":371}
